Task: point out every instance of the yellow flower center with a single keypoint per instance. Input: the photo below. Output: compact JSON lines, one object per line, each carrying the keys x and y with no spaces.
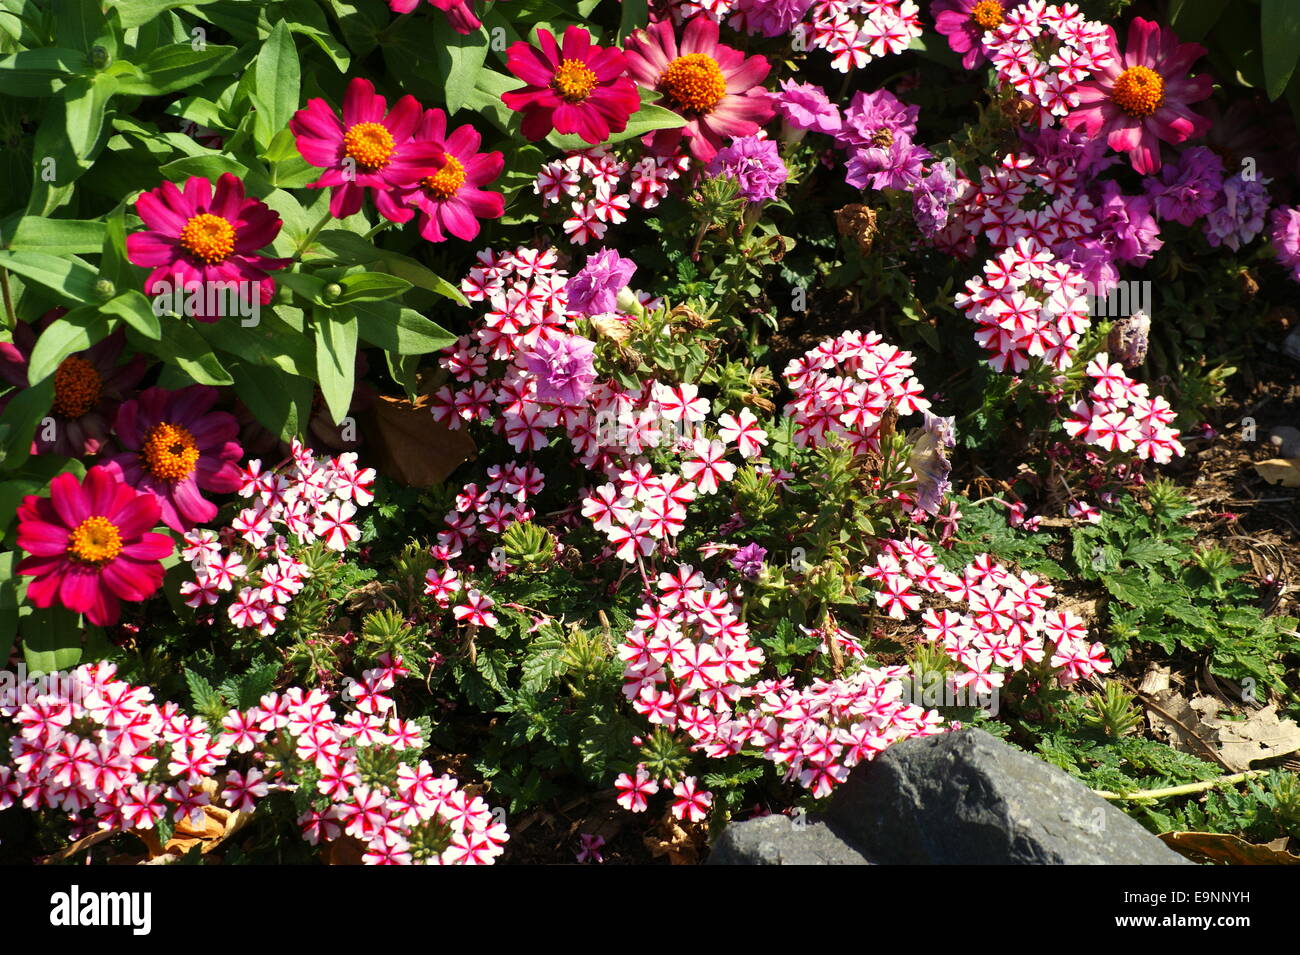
{"x":988,"y":14}
{"x":883,"y":138}
{"x":694,"y":82}
{"x":446,"y":181}
{"x":77,"y":386}
{"x":574,"y":80}
{"x":370,"y":144}
{"x":1139,"y":91}
{"x":210,"y":238}
{"x":169,"y":452}
{"x":95,"y":541}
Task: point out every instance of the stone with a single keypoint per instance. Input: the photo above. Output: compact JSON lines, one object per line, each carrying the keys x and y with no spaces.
{"x":777,"y":840}
{"x":1291,"y":346}
{"x":966,"y":798}
{"x":1287,"y":440}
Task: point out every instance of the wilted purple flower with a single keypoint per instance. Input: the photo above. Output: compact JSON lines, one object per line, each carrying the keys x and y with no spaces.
{"x":754,"y":163}
{"x":1240,"y":215}
{"x":806,"y":106}
{"x":1134,"y":235}
{"x":928,"y":462}
{"x":932,"y":197}
{"x":594,"y":290}
{"x":564,"y":367}
{"x":590,"y":845}
{"x":1286,"y":237}
{"x":1129,"y":338}
{"x":1187,"y":188}
{"x":749,"y":560}
{"x":769,"y":17}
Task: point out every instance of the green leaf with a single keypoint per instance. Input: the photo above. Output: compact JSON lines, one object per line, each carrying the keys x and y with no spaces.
{"x":179,"y":66}
{"x":276,"y":79}
{"x":1280,"y":35}
{"x":135,"y":13}
{"x":308,"y":286}
{"x":204,"y":695}
{"x":634,"y":16}
{"x":459,"y":58}
{"x":544,"y":663}
{"x":280,"y":402}
{"x":51,"y":640}
{"x":39,"y":72}
{"x":137,"y":311}
{"x":8,"y":604}
{"x":351,"y":249}
{"x":272,"y":342}
{"x":79,"y":23}
{"x":371,"y":287}
{"x":1192,"y":19}
{"x":185,"y":348}
{"x":74,"y":332}
{"x":58,"y":236}
{"x":402,"y":331}
{"x":205,"y":167}
{"x":336,"y":358}
{"x":20,"y":418}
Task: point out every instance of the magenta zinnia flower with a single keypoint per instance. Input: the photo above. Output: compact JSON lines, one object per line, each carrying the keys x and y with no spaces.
{"x":369,"y":148}
{"x":206,"y":238}
{"x":177,"y":448}
{"x":1142,"y":97}
{"x":715,"y":88}
{"x":91,"y":546}
{"x":964,"y":23}
{"x":451,"y":199}
{"x":578,"y":88}
{"x":460,"y":13}
{"x":88,"y":386}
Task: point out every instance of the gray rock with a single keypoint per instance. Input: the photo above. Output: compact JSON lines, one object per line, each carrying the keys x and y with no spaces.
{"x":1291,"y":346}
{"x":775,"y":840}
{"x":967,"y":798}
{"x":1287,"y":441}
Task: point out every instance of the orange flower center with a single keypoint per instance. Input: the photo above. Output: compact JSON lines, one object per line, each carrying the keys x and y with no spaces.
{"x":95,"y":541}
{"x":694,"y":82}
{"x":574,"y":80}
{"x":77,"y":386}
{"x":210,"y":238}
{"x":446,"y":181}
{"x":987,"y":13}
{"x":169,"y":452}
{"x":370,"y":144}
{"x":1139,"y":91}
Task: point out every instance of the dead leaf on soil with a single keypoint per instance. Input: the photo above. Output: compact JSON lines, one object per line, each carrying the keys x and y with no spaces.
{"x":1237,"y":742}
{"x":411,"y":446}
{"x":681,"y":842}
{"x":1281,"y":471}
{"x":1227,"y":849}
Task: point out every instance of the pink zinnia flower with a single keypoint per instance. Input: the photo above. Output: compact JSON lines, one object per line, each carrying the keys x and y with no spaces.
{"x":369,"y":148}
{"x":460,"y":13}
{"x":88,"y":386}
{"x":91,"y":546}
{"x":964,"y":23}
{"x":451,"y":199}
{"x":207,"y":238}
{"x":714,"y":87}
{"x":1142,"y":97}
{"x":177,"y":448}
{"x":578,"y":88}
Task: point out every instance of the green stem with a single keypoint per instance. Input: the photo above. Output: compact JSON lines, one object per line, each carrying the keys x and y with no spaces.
{"x":310,"y":237}
{"x":1184,"y":790}
{"x":378,"y":229}
{"x":11,"y":320}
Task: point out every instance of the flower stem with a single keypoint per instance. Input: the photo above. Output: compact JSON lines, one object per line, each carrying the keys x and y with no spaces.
{"x":11,"y":320}
{"x":310,"y":237}
{"x":1184,"y":790}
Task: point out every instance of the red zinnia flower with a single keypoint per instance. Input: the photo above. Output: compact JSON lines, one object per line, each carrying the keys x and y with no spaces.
{"x":579,"y":88}
{"x":713,"y":86}
{"x":1141,"y":97}
{"x":369,"y":148}
{"x":460,"y":13}
{"x":176,"y":449}
{"x":205,"y":238}
{"x":90,"y":545}
{"x":451,"y":199}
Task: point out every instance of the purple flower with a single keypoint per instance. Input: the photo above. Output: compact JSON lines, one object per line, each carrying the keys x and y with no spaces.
{"x":754,"y":163}
{"x":1134,"y":235}
{"x":769,"y":17}
{"x":806,"y":106}
{"x":749,"y":560}
{"x":928,"y":462}
{"x":1240,"y":215}
{"x":876,"y":119}
{"x":932,"y":197}
{"x":1094,"y":260}
{"x":564,"y":367}
{"x":895,"y":165}
{"x":1188,"y":188}
{"x":1286,"y":237}
{"x":594,"y":290}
